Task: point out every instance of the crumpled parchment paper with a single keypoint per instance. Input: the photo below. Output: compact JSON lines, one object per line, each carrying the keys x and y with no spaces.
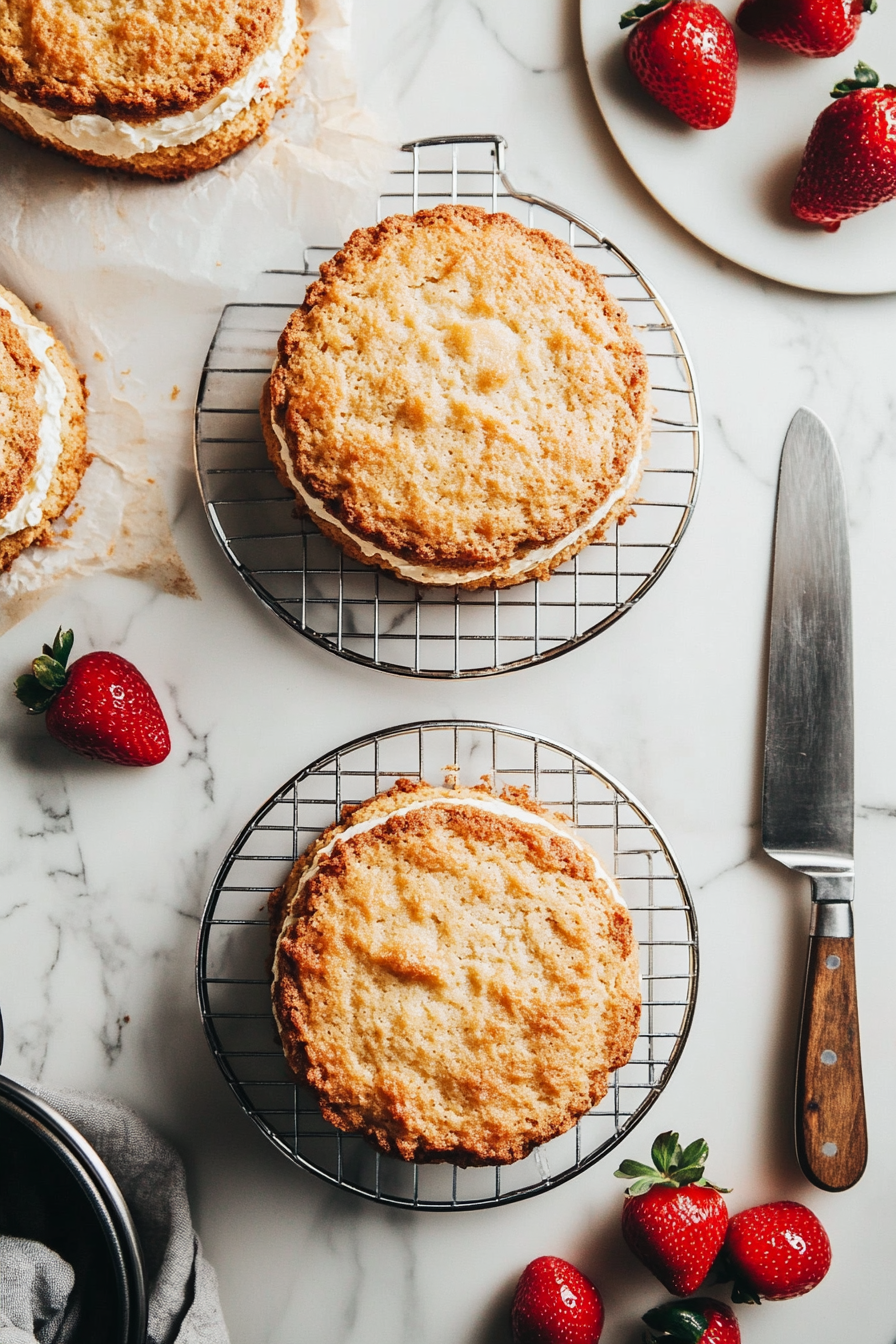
{"x":132,"y":275}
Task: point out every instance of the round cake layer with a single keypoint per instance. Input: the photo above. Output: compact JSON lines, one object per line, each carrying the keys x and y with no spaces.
{"x":20,"y":415}
{"x":182,"y":144}
{"x":40,"y":475}
{"x":134,"y":62}
{"x":455,"y":975}
{"x":459,"y":399}
{"x":537,"y":563}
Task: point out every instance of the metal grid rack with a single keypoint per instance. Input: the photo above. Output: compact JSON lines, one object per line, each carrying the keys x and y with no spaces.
{"x":359,"y":611}
{"x":233,"y":980}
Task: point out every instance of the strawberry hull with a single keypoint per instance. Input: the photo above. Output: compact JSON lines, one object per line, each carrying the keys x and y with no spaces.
{"x":680,"y":1321}
{"x":809,"y":27}
{"x":555,"y":1303}
{"x":100,"y":707}
{"x":108,"y":712}
{"x":849,"y":164}
{"x":776,"y":1251}
{"x":685,"y":56}
{"x":676,"y":1232}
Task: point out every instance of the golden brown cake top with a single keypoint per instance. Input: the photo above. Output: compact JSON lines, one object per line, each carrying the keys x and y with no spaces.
{"x":131,"y":60}
{"x":456,"y":981}
{"x":458,"y":388}
{"x":19,"y":412}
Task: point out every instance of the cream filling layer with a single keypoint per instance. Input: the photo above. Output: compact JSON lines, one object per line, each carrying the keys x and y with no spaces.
{"x":49,"y":393}
{"x":496,"y":806}
{"x":430,"y":574}
{"x":122,"y":140}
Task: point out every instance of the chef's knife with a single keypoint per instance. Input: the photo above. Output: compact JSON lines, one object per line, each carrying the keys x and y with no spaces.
{"x":807,"y":799}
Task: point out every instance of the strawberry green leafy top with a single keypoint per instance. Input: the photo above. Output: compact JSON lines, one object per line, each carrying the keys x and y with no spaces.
{"x":38,"y":688}
{"x":672,"y":1165}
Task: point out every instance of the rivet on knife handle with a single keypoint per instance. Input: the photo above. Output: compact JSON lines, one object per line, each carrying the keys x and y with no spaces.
{"x":831,"y":1136}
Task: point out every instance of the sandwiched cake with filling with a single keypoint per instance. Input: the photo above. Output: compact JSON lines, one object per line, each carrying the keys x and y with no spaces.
{"x":165,"y":88}
{"x":459,"y":400}
{"x":43,"y":436}
{"x":455,"y":974}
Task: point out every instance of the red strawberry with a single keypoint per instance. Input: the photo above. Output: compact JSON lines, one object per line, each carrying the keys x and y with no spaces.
{"x":673,"y":1219}
{"x":703,"y":1320}
{"x":101,"y":706}
{"x":811,"y":27}
{"x":684,"y":54}
{"x":849,"y":164}
{"x":555,"y":1304}
{"x":776,"y":1251}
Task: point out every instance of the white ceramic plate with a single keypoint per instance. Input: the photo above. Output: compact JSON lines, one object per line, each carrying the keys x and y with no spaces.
{"x":731,"y":187}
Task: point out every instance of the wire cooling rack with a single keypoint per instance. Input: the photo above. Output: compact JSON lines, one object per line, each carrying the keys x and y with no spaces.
{"x":359,"y":611}
{"x":233,"y":982}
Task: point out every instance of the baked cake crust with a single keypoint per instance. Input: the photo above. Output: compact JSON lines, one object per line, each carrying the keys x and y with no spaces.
{"x":136,"y":62}
{"x":19,"y":414}
{"x":453,"y":984}
{"x":175,"y":163}
{"x":460,"y":391}
{"x":74,"y":458}
{"x":496,"y":579}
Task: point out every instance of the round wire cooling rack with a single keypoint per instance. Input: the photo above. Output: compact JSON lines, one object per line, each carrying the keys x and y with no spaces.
{"x":361,"y":612}
{"x":233,"y":958}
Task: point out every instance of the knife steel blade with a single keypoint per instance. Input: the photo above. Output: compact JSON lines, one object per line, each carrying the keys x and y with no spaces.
{"x":808,"y":799}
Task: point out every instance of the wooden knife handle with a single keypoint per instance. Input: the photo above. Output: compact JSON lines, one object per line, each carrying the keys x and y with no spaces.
{"x":831,"y":1138}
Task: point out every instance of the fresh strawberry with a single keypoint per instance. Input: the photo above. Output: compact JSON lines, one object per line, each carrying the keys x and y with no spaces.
{"x":702,"y":1320}
{"x":673,"y":1219}
{"x":811,"y":27}
{"x":101,"y":706}
{"x":775,"y":1251}
{"x":849,"y":164}
{"x":685,"y":55}
{"x":555,"y":1304}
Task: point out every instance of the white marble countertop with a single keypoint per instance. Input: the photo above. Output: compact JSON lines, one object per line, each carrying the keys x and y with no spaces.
{"x":104,"y":871}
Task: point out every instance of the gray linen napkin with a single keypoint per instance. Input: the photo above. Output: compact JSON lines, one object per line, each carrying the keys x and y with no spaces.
{"x":184,"y":1307}
{"x":36,"y":1299}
